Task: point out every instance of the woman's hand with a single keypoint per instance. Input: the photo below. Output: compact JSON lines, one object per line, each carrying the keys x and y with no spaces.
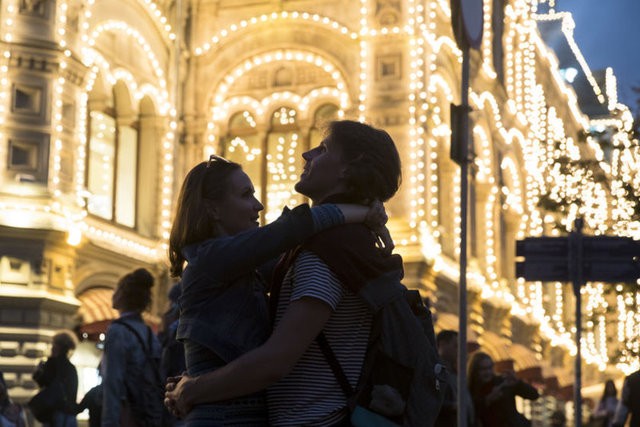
{"x":376,"y":220}
{"x":376,"y":216}
{"x":177,"y":395}
{"x":384,"y":240}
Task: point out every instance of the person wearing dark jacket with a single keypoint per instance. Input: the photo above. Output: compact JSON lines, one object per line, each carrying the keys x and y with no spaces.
{"x":447,"y":342}
{"x":355,"y":163}
{"x":131,"y":357}
{"x":629,"y":403}
{"x":11,"y":414}
{"x":92,"y":401}
{"x":494,"y":395}
{"x":59,"y":368}
{"x":216,"y":246}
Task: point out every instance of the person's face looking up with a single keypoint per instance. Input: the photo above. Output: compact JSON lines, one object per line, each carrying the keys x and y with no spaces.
{"x":485,"y":370}
{"x":323,"y":173}
{"x":239,"y":210}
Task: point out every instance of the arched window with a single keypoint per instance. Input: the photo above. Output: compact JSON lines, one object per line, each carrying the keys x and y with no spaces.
{"x":243,"y":145}
{"x":284,"y":162}
{"x":101,"y":162}
{"x":112,"y":156}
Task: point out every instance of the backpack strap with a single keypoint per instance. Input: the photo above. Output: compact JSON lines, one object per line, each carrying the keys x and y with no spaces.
{"x":278,"y":275}
{"x":147,"y":353}
{"x":280,"y":270}
{"x":335,"y":366}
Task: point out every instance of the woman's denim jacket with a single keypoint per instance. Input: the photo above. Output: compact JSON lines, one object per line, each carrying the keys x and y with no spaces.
{"x":223,"y":305}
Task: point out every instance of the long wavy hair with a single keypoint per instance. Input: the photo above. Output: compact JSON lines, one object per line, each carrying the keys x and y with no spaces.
{"x":207,"y":182}
{"x":609,"y":389}
{"x":473,"y":367}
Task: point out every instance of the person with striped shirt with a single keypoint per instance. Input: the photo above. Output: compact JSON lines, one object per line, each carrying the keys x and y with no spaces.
{"x":216,"y":247}
{"x":355,"y":163}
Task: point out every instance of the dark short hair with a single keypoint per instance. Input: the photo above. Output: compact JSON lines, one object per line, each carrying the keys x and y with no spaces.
{"x":445,"y":335}
{"x":136,"y":290}
{"x":206,"y":182}
{"x":373,"y":163}
{"x":66,"y":341}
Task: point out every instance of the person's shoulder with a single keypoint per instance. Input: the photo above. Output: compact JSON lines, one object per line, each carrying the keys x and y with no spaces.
{"x":117,"y":329}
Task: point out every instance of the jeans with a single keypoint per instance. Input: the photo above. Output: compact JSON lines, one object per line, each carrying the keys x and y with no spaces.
{"x":60,"y":419}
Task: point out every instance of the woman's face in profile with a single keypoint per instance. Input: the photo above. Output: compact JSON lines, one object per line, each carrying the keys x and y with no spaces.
{"x":239,"y":210}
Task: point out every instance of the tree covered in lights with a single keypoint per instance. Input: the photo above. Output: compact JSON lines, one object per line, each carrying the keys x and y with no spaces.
{"x":572,"y":182}
{"x":597,"y":176}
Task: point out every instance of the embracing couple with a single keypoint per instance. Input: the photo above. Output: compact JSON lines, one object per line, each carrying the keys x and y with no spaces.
{"x":255,"y":362}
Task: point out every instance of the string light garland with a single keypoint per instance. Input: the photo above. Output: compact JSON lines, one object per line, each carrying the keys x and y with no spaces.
{"x":527,"y":136}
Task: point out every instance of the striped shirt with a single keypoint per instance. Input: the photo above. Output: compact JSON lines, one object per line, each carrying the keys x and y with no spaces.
{"x":310,"y":395}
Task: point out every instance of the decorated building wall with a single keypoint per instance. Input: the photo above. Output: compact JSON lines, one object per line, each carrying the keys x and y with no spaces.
{"x":106,"y":104}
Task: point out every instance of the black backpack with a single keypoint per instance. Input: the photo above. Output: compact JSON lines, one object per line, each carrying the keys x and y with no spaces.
{"x":146,"y":393}
{"x":401,"y":360}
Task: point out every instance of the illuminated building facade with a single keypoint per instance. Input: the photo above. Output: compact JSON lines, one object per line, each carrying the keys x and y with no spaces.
{"x":105,"y":104}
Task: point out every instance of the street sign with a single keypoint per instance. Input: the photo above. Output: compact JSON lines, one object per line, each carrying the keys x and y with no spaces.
{"x":603,"y":259}
{"x":544,"y":270}
{"x":533,"y":247}
{"x":457,"y":153}
{"x":593,"y":247}
{"x":467,"y":20}
{"x":557,"y":270}
{"x":472,"y":21}
{"x":610,"y":246}
{"x":579,"y":259}
{"x":612,"y":271}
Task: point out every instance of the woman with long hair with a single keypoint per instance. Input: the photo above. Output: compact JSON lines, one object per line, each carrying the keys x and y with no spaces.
{"x":215,"y":247}
{"x":494,"y":395}
{"x":603,"y":415}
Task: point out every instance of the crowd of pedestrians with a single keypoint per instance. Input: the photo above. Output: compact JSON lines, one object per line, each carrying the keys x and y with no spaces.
{"x":267,"y":325}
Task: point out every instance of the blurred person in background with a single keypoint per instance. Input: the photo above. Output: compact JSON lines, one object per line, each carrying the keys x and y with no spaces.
{"x":603,"y":415}
{"x":447,"y":342}
{"x":59,"y":368}
{"x":494,"y":395}
{"x":131,"y":360}
{"x":629,"y":403}
{"x":92,"y":401}
{"x":11,"y":414}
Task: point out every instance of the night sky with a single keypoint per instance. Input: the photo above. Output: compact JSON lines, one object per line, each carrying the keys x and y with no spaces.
{"x":608,"y":34}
